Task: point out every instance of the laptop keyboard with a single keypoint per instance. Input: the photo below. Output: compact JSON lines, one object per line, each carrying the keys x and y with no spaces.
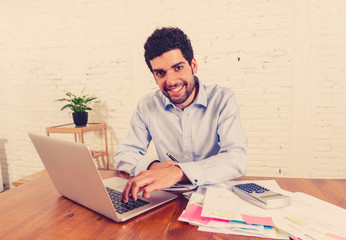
{"x":120,"y":206}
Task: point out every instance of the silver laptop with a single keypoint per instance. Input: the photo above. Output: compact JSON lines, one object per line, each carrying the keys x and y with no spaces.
{"x":75,"y":176}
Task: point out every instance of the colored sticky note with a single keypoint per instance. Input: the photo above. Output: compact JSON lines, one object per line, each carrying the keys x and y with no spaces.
{"x":333,"y":236}
{"x":297,"y":221}
{"x":268,"y":221}
{"x":193,"y":213}
{"x":221,"y":215}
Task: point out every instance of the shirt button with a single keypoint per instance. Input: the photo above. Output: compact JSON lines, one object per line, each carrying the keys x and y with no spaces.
{"x":196,"y":181}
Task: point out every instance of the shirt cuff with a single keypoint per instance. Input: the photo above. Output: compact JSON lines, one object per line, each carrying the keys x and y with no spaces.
{"x":194,"y":173}
{"x":152,"y":163}
{"x":143,"y":163}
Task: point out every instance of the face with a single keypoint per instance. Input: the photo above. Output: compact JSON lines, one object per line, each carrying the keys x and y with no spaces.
{"x":175,"y":77}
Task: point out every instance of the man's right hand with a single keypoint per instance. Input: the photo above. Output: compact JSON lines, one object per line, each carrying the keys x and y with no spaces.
{"x":158,"y":176}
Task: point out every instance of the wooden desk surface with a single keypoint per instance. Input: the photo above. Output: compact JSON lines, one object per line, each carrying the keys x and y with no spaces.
{"x":35,"y":210}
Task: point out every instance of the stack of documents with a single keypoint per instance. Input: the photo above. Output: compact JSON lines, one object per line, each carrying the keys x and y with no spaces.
{"x":217,"y":209}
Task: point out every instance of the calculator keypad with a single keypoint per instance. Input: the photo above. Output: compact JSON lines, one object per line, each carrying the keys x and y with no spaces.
{"x":251,"y":187}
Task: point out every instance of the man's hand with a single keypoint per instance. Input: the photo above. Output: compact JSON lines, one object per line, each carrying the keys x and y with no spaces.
{"x":156,"y":165}
{"x":159,"y":176}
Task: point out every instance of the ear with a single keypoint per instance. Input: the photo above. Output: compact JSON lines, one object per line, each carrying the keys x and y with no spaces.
{"x":194,"y":66}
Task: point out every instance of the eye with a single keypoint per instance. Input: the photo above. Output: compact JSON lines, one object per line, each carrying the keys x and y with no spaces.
{"x":159,"y":74}
{"x":178,"y":68}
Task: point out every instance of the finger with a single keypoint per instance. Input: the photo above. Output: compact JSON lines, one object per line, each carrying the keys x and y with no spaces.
{"x":128,"y":187}
{"x":150,"y":188}
{"x":146,"y":194}
{"x":134,"y":191}
{"x":139,"y":185}
{"x":126,"y":191}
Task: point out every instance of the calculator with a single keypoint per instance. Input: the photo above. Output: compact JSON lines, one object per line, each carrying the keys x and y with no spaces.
{"x":261,"y":196}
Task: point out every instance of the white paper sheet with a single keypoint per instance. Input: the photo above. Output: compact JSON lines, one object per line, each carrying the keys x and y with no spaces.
{"x":221,"y":202}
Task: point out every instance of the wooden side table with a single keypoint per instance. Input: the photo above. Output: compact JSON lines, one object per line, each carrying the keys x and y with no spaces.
{"x":71,"y":128}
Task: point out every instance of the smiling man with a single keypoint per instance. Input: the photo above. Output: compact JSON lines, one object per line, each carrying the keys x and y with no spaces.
{"x":199,"y":125}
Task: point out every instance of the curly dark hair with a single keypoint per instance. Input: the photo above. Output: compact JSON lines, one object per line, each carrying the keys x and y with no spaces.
{"x":166,"y":39}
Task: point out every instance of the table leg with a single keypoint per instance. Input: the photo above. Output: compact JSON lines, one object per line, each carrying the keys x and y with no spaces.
{"x":81,"y":138}
{"x":106,"y":144}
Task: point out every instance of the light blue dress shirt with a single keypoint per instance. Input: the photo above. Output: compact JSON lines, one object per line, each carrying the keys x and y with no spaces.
{"x":206,"y":138}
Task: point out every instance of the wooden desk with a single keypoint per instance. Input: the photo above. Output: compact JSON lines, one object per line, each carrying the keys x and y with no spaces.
{"x":72,"y":128}
{"x":35,"y":210}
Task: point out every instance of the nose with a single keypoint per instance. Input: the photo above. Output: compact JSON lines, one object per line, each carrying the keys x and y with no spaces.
{"x":171,"y":78}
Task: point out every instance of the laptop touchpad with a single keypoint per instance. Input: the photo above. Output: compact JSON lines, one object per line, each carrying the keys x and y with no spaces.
{"x":115,"y":183}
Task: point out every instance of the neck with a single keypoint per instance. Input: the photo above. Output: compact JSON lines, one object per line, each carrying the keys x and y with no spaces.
{"x":190,"y":100}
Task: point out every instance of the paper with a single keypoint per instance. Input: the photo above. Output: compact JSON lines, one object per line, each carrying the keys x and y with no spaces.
{"x":310,"y":217}
{"x":221,"y":202}
{"x":221,"y":218}
{"x":193,"y":215}
{"x":266,"y":233}
{"x":217,"y":209}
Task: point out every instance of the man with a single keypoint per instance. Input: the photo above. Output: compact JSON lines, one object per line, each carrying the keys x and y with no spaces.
{"x":199,"y":125}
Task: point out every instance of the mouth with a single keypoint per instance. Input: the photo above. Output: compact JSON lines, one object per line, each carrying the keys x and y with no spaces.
{"x":177,"y":89}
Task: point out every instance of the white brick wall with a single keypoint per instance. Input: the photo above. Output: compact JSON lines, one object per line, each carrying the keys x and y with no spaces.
{"x":285,"y":59}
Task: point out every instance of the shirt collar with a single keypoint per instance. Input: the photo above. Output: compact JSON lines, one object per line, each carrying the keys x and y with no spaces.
{"x":201,"y":97}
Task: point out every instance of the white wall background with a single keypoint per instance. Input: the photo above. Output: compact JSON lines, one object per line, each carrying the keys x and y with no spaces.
{"x":285,"y":59}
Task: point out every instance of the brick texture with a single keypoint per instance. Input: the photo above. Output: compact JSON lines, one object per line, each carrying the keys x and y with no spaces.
{"x":285,"y":59}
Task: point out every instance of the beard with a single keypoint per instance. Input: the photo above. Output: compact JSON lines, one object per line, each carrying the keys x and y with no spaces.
{"x":182,"y":99}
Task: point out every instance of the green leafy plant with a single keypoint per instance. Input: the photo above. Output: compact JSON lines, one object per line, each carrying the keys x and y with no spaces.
{"x":77,"y":104}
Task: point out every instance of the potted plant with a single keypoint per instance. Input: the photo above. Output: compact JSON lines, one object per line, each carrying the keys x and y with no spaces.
{"x":79,"y":106}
